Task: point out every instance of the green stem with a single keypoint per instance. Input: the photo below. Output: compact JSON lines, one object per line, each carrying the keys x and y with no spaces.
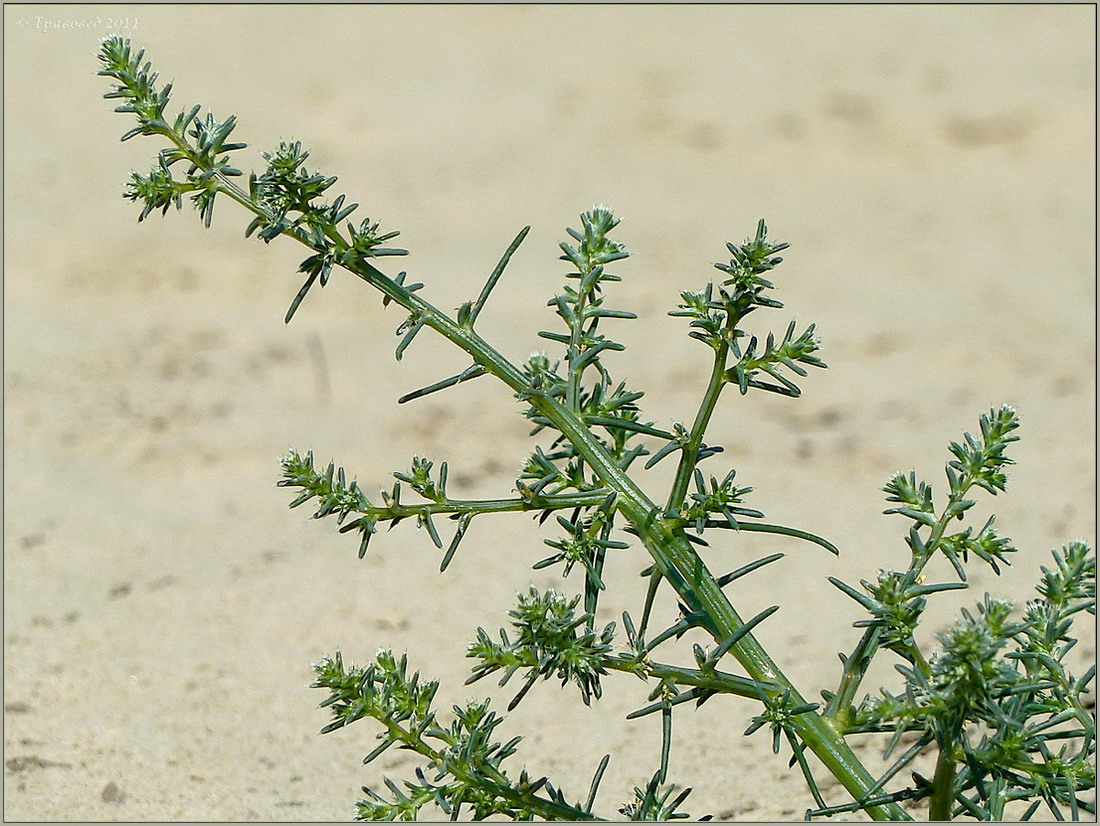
{"x":586,"y":499}
{"x":943,"y":788}
{"x":576,"y":333}
{"x":689,"y":456}
{"x":720,"y":681}
{"x":855,"y":666}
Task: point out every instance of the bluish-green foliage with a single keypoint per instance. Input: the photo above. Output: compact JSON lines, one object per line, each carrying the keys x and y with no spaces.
{"x":994,"y":700}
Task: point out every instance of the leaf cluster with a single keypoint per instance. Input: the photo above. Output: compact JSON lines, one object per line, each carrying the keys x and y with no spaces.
{"x":465,"y":762}
{"x":552,"y":640}
{"x":206,"y":157}
{"x":995,"y":699}
{"x":998,"y":698}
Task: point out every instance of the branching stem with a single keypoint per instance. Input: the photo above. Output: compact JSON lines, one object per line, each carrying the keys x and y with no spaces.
{"x":538,"y":502}
{"x":689,"y":456}
{"x":671,"y":551}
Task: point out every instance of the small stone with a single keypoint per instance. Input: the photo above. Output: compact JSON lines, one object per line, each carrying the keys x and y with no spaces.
{"x":120,"y":590}
{"x":112,"y":793}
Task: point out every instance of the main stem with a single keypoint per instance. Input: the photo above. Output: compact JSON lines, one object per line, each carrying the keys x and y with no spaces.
{"x":943,"y":787}
{"x":696,"y":585}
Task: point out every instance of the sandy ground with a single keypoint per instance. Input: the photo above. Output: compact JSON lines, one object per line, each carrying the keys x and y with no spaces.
{"x":933,"y":168}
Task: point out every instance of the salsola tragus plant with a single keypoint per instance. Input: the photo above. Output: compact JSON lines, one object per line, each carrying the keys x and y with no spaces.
{"x":1010,"y":730}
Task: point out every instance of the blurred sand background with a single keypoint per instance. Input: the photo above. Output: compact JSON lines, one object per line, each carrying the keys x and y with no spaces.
{"x":932,"y":166}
